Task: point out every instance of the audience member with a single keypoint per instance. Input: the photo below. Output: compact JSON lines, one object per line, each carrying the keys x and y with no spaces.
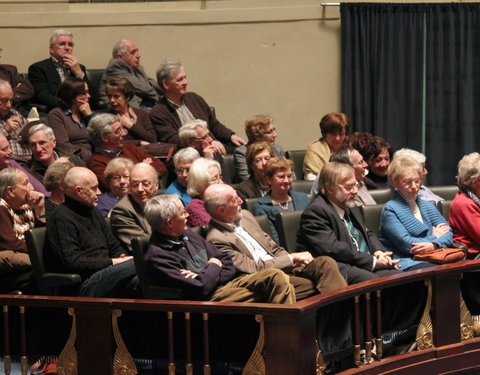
{"x":125,"y":63}
{"x":53,"y":181}
{"x":259,"y":128}
{"x":350,"y":156}
{"x":70,"y":119}
{"x":424,"y":193}
{"x":203,"y":173}
{"x":181,"y":258}
{"x":376,"y":152}
{"x":42,"y":142}
{"x":46,"y":75}
{"x":410,"y":225}
{"x":11,"y":123}
{"x":78,"y":240}
{"x":333,"y":225}
{"x":22,"y":87}
{"x":5,"y":161}
{"x":196,"y":134}
{"x":334,"y":127}
{"x":117,"y":177}
{"x":128,"y":219}
{"x":258,"y":155}
{"x":178,"y":107}
{"x":106,"y":134}
{"x":281,"y":197}
{"x":236,"y":232}
{"x":182,"y":160}
{"x":21,"y":208}
{"x":464,"y":215}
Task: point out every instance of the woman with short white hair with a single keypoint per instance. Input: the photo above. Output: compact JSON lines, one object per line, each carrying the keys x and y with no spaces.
{"x":203,"y":173}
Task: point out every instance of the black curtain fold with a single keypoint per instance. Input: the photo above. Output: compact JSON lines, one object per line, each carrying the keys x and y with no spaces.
{"x":401,"y":62}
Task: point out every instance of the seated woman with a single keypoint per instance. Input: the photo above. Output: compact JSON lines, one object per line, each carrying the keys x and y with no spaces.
{"x":21,"y":208}
{"x":202,"y":174}
{"x":409,"y":224}
{"x":69,"y":121}
{"x":53,"y":181}
{"x":376,"y":152}
{"x":258,"y":154}
{"x":182,"y":160}
{"x":117,"y":176}
{"x":464,"y":216}
{"x":280,"y":198}
{"x":259,"y":128}
{"x":135,"y":121}
{"x":334,"y":127}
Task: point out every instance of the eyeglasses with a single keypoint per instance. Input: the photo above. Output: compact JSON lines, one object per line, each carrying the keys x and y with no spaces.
{"x":204,"y":138}
{"x":182,"y":170}
{"x":351,"y":187}
{"x":6,"y":149}
{"x":216,"y":179}
{"x":145,"y":184}
{"x":412,"y":181}
{"x":119,"y":178}
{"x":269,"y":132}
{"x":6,"y":100}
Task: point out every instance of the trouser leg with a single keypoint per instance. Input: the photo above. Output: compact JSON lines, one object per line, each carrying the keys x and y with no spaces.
{"x":303,"y":287}
{"x":324,"y":273}
{"x":271,"y":285}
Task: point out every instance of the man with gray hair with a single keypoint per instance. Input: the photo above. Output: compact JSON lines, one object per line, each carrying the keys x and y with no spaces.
{"x":107,"y":134}
{"x":177,"y":107}
{"x":46,"y":75}
{"x":179,"y":257}
{"x":125,"y":62}
{"x":42,"y":142}
{"x":11,"y":123}
{"x":424,"y":193}
{"x":182,"y":161}
{"x":196,"y":134}
{"x":128,"y":219}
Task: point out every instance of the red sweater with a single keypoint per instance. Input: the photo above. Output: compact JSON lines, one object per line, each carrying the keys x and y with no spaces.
{"x":464,"y":218}
{"x":98,"y":162}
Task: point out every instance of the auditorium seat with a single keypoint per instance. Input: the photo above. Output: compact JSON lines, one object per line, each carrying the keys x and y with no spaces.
{"x":297,"y":157}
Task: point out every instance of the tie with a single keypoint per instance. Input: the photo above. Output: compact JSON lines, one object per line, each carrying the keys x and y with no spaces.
{"x":357,"y":236}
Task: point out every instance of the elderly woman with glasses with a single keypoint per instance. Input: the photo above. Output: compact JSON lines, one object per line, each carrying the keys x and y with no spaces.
{"x":259,"y":128}
{"x":203,"y":173}
{"x":182,"y":160}
{"x":409,"y":224}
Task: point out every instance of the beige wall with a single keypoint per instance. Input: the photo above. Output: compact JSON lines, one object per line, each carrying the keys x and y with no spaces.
{"x":280,"y":57}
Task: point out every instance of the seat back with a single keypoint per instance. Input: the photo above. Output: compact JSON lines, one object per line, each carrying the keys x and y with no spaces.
{"x":381,"y":196}
{"x":139,"y":248}
{"x":297,"y":157}
{"x":228,"y":171}
{"x":302,"y":186}
{"x":264,"y":224}
{"x":94,"y":77}
{"x":287,"y":226}
{"x":249,"y":203}
{"x":447,"y":192}
{"x":371,"y":215}
{"x":35,"y":239}
{"x":444,"y":208}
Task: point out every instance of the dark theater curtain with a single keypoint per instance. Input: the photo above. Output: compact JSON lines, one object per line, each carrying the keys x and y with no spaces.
{"x":410,"y":73}
{"x":382,"y":77}
{"x":453,"y":87}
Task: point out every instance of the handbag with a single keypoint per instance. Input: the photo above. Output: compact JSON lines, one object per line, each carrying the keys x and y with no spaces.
{"x":442,"y":255}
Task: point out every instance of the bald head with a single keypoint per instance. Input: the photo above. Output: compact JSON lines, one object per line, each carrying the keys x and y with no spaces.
{"x":222,"y":203}
{"x":81,"y":184}
{"x":127,"y":51}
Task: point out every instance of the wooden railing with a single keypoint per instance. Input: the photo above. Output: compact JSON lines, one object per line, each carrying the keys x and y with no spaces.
{"x":290,"y":345}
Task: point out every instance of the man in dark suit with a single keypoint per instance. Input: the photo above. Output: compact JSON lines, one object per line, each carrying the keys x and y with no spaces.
{"x":332,"y":225}
{"x":46,"y":75}
{"x":238,"y":234}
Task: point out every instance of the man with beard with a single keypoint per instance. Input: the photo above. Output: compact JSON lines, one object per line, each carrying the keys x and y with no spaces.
{"x":333,"y":225}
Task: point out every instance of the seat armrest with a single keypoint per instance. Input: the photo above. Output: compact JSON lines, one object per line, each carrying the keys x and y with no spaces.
{"x":53,"y":280}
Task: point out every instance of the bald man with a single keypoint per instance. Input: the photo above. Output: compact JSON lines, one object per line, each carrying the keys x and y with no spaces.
{"x":78,"y":240}
{"x":125,"y":62}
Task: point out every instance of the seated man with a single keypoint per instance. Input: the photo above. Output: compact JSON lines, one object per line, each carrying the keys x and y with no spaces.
{"x":11,"y":122}
{"x":236,"y":232}
{"x":22,"y":87}
{"x":78,"y":240}
{"x":333,"y":225}
{"x":106,"y":134}
{"x":127,"y":218}
{"x":182,"y":160}
{"x":196,"y":134}
{"x":42,"y":142}
{"x":125,"y":62}
{"x":179,"y":257}
{"x":352,"y":157}
{"x":5,"y":162}
{"x":178,"y":107}
{"x":46,"y":75}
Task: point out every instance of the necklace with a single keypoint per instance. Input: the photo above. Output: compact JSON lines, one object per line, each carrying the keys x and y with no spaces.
{"x":284,"y":205}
